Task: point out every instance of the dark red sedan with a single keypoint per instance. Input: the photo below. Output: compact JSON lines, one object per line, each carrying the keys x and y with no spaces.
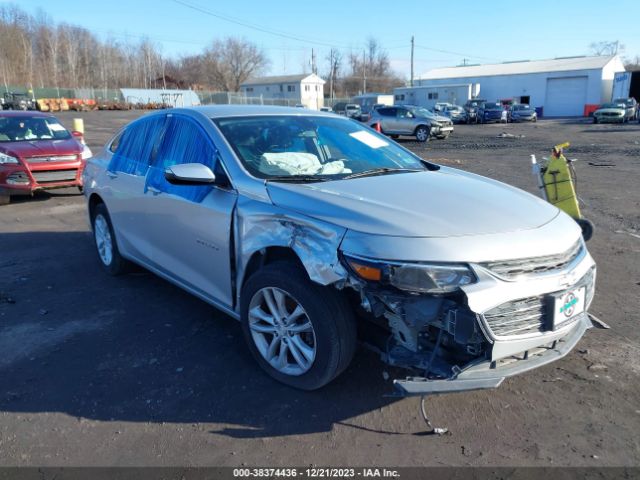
{"x":37,"y":152}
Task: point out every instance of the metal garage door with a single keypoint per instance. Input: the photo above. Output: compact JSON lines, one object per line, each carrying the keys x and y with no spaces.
{"x":565,"y":97}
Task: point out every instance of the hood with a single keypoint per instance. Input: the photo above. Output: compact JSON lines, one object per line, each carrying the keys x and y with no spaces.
{"x":610,"y":110}
{"x":37,"y":148}
{"x":439,"y":203}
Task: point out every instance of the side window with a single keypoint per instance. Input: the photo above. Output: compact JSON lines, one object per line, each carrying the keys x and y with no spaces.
{"x":402,"y":113}
{"x":135,"y":144}
{"x":183,"y":142}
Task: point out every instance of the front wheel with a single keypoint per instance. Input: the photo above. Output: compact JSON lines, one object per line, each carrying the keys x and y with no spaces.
{"x":105,"y":241}
{"x":300,"y":333}
{"x":587,"y":227}
{"x":422,"y":133}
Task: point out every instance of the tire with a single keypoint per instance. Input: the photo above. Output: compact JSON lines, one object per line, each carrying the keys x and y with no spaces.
{"x":5,"y":199}
{"x":330,"y":342}
{"x":587,"y":228}
{"x":422,"y":133}
{"x":105,"y":242}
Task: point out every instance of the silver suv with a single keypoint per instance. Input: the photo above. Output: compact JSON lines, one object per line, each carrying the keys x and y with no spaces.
{"x":308,"y":227}
{"x":409,"y":120}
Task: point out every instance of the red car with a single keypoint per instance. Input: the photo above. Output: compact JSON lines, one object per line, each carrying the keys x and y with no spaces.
{"x":37,"y":152}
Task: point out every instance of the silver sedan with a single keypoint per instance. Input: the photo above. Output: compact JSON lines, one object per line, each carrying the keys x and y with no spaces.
{"x":310,"y":228}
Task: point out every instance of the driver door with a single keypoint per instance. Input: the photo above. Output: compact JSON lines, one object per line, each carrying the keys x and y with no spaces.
{"x":191,"y":224}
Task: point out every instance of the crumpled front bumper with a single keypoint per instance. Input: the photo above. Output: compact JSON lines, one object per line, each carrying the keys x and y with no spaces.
{"x":486,"y":374}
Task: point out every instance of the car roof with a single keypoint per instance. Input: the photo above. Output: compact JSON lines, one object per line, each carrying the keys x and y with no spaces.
{"x":221,"y":111}
{"x":25,"y":114}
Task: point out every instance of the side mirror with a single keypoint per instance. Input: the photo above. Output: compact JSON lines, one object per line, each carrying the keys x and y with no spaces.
{"x":189,"y":174}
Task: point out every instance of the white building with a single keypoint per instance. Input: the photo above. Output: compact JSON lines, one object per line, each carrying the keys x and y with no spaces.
{"x":306,"y":89}
{"x":562,"y":86}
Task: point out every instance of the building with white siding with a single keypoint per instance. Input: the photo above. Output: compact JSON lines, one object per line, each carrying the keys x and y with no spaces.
{"x":565,"y":86}
{"x":305,"y":89}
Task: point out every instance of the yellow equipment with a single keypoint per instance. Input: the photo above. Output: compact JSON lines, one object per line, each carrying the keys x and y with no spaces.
{"x":557,"y":183}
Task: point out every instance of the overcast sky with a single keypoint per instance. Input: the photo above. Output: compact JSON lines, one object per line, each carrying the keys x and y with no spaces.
{"x":446,"y":33}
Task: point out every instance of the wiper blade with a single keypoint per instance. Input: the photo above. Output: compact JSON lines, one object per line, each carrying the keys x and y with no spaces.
{"x":297,"y":178}
{"x":381,"y":171}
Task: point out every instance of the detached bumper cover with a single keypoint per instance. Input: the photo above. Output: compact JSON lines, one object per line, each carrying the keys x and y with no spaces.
{"x":487,"y":374}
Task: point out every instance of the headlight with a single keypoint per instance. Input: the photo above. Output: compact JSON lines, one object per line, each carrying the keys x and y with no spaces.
{"x":6,"y":159}
{"x":414,"y":277}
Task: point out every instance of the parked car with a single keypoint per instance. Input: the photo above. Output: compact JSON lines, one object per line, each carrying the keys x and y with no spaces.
{"x":17,"y":101}
{"x":456,"y":113}
{"x":440,"y":107}
{"x":413,"y":121}
{"x":326,"y":109}
{"x":290,"y":221}
{"x":471,"y":107}
{"x":521,"y":112}
{"x":610,"y":113}
{"x":631,"y":106}
{"x":490,"y":112}
{"x":37,"y":152}
{"x":351,"y":110}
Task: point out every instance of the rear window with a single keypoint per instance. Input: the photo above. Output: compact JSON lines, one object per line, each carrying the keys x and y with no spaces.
{"x":18,"y":129}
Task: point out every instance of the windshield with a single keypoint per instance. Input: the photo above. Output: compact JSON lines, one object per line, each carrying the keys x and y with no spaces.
{"x":421,"y":112}
{"x":521,"y":107}
{"x":318,"y":148}
{"x":493,"y":106}
{"x":612,"y":105}
{"x":625,"y":101}
{"x":18,"y":129}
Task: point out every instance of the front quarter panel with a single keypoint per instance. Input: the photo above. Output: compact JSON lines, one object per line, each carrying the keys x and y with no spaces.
{"x":260,"y":225}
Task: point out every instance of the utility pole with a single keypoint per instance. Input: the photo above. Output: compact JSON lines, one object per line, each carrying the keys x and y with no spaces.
{"x":412,"y":45}
{"x":313,"y":61}
{"x":331,"y":75}
{"x":364,"y":73}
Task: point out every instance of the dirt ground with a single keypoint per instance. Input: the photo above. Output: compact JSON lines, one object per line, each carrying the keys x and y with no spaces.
{"x":126,"y":371}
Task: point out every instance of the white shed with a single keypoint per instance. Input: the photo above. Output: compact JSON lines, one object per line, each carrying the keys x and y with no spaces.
{"x":305,"y":89}
{"x":561,"y":86}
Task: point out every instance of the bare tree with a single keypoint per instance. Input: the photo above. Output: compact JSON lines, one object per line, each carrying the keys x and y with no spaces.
{"x":228,"y":63}
{"x":606,"y":48}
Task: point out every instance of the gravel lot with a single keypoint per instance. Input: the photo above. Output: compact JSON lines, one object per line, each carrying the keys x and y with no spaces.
{"x":125,"y":371}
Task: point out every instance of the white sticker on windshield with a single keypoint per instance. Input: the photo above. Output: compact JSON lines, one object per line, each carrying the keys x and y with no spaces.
{"x":369,"y":139}
{"x":56,"y":127}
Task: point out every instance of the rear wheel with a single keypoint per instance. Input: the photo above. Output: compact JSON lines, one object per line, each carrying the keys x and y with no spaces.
{"x":422,"y":133}
{"x":300,"y":333}
{"x":105,"y":241}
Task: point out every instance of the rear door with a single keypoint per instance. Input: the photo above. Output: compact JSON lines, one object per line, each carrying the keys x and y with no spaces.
{"x":190,"y":224}
{"x":125,"y":184}
{"x":387,"y":119}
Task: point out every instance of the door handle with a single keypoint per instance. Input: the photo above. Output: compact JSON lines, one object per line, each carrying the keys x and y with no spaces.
{"x":154,"y":190}
{"x":111,"y":174}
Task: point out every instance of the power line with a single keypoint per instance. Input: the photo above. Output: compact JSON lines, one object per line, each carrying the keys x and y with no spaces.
{"x":456,"y":53}
{"x":257,"y":27}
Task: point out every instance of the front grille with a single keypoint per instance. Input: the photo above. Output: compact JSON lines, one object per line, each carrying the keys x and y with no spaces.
{"x":53,"y":158}
{"x":518,"y":317}
{"x":530,"y":315}
{"x":55,"y":176}
{"x":512,"y":269}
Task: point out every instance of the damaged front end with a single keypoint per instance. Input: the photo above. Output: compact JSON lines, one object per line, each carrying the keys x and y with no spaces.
{"x":443,"y":331}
